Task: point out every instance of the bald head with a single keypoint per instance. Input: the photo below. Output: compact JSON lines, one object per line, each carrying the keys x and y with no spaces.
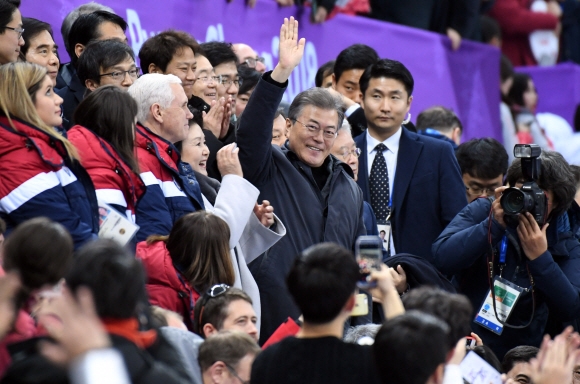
{"x":245,"y":52}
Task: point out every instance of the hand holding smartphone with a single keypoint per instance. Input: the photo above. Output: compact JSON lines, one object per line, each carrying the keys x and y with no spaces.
{"x":369,"y":256}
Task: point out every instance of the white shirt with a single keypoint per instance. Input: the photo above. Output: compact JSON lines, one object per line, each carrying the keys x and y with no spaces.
{"x":392,"y":144}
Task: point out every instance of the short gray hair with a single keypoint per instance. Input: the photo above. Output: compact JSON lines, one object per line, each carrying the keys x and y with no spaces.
{"x":319,"y":98}
{"x":73,"y":15}
{"x":150,"y":89}
{"x":345,"y":127}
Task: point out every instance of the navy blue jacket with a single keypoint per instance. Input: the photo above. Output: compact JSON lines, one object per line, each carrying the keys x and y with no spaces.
{"x":311,"y":216}
{"x":428,"y":191}
{"x":462,"y":251}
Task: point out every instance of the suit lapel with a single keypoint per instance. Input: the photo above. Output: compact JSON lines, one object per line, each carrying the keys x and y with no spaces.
{"x":77,"y":87}
{"x":409,"y":150}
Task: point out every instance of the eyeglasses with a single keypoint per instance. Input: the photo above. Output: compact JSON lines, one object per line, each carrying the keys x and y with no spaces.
{"x":19,"y":31}
{"x":215,"y":291}
{"x":225,"y":81}
{"x":472,"y":191}
{"x":346,"y":153}
{"x":313,"y":129}
{"x":207,"y":79}
{"x":235,"y":374}
{"x":252,"y":61}
{"x":120,"y":75}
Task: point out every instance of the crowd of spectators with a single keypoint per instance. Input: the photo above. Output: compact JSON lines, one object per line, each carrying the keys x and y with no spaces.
{"x":178,"y":223}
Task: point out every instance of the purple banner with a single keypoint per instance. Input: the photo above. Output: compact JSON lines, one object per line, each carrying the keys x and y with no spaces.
{"x":558,"y":89}
{"x":466,"y":81}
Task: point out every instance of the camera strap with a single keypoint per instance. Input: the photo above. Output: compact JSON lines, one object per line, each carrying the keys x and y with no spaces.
{"x":503,"y":286}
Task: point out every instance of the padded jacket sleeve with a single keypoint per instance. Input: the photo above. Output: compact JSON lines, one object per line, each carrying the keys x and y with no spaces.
{"x":152,"y":213}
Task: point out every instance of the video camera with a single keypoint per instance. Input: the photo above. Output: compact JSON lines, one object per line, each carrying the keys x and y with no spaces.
{"x":529,"y":198}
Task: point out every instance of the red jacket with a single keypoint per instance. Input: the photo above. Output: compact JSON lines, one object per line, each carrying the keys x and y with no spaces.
{"x":517,"y":22}
{"x":165,"y":287}
{"x":115,"y":183}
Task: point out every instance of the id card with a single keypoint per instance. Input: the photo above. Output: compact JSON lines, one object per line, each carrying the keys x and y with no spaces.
{"x":385,"y":234}
{"x":506,"y":297}
{"x":113,"y":225}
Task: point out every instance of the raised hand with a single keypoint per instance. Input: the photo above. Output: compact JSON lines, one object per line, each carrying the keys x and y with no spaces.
{"x":213,"y":120}
{"x":228,"y":161}
{"x":265,"y":213}
{"x":291,"y":50}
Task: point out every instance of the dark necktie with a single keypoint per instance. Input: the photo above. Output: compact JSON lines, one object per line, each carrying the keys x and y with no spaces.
{"x":379,"y":184}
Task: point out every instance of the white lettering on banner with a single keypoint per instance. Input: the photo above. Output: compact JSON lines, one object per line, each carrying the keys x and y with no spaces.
{"x":137,"y":34}
{"x":214,"y":33}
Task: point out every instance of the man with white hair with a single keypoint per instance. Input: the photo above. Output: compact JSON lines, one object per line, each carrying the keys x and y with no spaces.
{"x":162,"y":121}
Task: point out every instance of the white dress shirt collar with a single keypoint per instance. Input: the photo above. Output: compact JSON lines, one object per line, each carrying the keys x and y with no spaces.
{"x":392,"y":143}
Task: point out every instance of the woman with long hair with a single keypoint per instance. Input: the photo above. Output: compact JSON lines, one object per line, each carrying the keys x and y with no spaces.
{"x":40,"y":174}
{"x":105,"y":136}
{"x":182,"y":266}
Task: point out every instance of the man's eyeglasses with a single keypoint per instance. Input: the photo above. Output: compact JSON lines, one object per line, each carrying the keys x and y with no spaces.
{"x":207,"y":79}
{"x":346,"y":153}
{"x":313,"y":129}
{"x":225,"y":81}
{"x":19,"y":31}
{"x":120,"y":75}
{"x":235,"y":374}
{"x":253,"y":61}
{"x":473,"y":191}
{"x":215,"y":291}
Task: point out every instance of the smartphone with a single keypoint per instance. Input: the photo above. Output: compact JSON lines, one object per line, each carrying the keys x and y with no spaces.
{"x":369,"y":255}
{"x":470,"y":341}
{"x":361,"y":305}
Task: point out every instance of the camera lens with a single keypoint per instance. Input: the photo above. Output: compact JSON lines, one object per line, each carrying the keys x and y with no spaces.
{"x":513,"y":201}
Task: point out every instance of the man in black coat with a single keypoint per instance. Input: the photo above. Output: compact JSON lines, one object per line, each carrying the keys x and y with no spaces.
{"x":314,"y":193}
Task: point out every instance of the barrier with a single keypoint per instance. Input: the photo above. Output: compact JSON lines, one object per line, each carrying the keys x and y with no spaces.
{"x":466,"y":80}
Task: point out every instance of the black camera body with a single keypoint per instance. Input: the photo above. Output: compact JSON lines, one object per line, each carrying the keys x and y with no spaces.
{"x":530,"y":197}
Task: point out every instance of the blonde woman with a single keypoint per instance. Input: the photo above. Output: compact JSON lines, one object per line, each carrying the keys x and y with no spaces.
{"x":40,"y":174}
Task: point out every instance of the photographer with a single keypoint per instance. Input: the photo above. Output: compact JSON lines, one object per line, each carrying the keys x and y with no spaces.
{"x":538,"y":265}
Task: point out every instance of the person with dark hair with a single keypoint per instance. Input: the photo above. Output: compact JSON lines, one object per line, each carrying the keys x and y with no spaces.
{"x":41,"y":173}
{"x":117,"y":282}
{"x":324,"y":74}
{"x":523,"y":99}
{"x":191,"y":259}
{"x":224,"y":308}
{"x":322,"y":282}
{"x":11,"y":31}
{"x":483,"y":163}
{"x":66,"y":71}
{"x":224,"y":61}
{"x":545,"y":257}
{"x":204,"y":88}
{"x":454,"y":309}
{"x":440,"y":123}
{"x":105,"y":62}
{"x":347,"y":71}
{"x":490,"y":31}
{"x":330,"y":205}
{"x":248,"y":57}
{"x":411,"y":349}
{"x":227,"y":358}
{"x":104,"y":136}
{"x":396,"y":166}
{"x":516,"y":363}
{"x":39,"y":46}
{"x":249,"y":79}
{"x":171,"y":52}
{"x":98,"y":25}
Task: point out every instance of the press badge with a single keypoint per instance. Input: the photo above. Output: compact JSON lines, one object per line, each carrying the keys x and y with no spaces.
{"x":506,"y":297}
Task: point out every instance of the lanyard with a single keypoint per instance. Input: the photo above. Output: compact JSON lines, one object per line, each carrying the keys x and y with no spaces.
{"x":503,"y":249}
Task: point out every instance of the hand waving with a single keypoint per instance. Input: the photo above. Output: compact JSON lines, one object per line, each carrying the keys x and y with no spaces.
{"x":291,"y":50}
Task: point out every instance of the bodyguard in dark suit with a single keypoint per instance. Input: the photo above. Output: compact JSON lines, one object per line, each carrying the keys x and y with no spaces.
{"x":417,"y":188}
